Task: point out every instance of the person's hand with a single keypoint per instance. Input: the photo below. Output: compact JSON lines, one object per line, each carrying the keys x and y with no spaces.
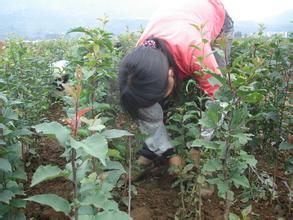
{"x":175,"y":165}
{"x":176,"y":161}
{"x":143,"y":161}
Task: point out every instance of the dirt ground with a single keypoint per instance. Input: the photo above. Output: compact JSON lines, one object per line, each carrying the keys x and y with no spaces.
{"x":48,"y":152}
{"x":155,"y":199}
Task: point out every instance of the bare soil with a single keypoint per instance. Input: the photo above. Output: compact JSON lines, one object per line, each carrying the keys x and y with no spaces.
{"x":48,"y":152}
{"x":155,"y":199}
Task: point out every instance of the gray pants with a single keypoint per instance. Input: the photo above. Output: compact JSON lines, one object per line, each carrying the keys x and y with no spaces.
{"x":222,"y":45}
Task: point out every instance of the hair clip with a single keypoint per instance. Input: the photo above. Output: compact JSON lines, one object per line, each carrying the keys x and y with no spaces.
{"x":149,"y":43}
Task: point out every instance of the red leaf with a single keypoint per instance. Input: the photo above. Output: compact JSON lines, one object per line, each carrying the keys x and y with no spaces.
{"x":82,"y":112}
{"x":73,"y":123}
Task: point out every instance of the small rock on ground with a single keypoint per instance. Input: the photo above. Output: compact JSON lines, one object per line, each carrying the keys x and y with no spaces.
{"x":141,"y":213}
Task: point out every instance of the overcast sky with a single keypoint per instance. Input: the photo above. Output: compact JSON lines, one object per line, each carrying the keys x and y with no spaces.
{"x":257,"y":10}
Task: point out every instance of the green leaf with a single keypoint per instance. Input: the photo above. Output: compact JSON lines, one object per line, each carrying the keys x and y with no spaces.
{"x":245,"y":212}
{"x":56,"y":202}
{"x":113,"y":153}
{"x":114,"y":165}
{"x":14,"y":102}
{"x":78,"y":30}
{"x":5,"y":165}
{"x":10,"y":114}
{"x":220,"y":52}
{"x":23,"y":132}
{"x":82,"y":132}
{"x":172,"y":128}
{"x":87,"y":73}
{"x":189,"y":115}
{"x":244,"y":90}
{"x":200,"y":58}
{"x":204,"y":143}
{"x":192,"y":83}
{"x":213,"y":81}
{"x":46,"y":173}
{"x":285,"y":146}
{"x":16,"y":149}
{"x":192,"y":131}
{"x":253,"y":98}
{"x":176,"y":141}
{"x":6,"y":196}
{"x":240,"y":180}
{"x":249,"y":159}
{"x":238,"y":118}
{"x":96,"y":146}
{"x":197,"y":27}
{"x":112,"y":178}
{"x":224,"y":94}
{"x":18,"y":203}
{"x":100,"y":200}
{"x":62,"y":133}
{"x":223,"y":188}
{"x":211,"y":116}
{"x":187,"y":168}
{"x":97,"y":125}
{"x":3,"y":97}
{"x":18,"y":175}
{"x":116,"y":133}
{"x":196,"y":47}
{"x":239,"y":81}
{"x":205,"y":41}
{"x":101,"y":106}
{"x":242,"y":137}
{"x":233,"y":216}
{"x":218,"y":77}
{"x":212,"y":165}
{"x":15,"y":187}
{"x":85,"y":210}
{"x":113,"y":215}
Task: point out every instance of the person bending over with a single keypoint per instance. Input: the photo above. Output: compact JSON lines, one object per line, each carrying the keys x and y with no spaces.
{"x":163,"y":56}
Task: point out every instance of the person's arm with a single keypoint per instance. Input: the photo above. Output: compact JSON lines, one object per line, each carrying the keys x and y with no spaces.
{"x":158,"y":141}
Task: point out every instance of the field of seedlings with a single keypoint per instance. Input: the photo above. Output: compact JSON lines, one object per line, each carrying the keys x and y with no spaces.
{"x":67,"y":149}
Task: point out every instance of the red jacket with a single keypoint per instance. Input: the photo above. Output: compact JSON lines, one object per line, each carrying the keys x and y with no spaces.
{"x":172,"y":23}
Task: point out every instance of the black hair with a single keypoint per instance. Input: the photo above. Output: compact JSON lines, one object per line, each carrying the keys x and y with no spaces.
{"x":143,"y":76}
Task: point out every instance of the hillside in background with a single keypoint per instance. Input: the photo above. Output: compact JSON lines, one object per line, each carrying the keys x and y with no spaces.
{"x":46,"y":24}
